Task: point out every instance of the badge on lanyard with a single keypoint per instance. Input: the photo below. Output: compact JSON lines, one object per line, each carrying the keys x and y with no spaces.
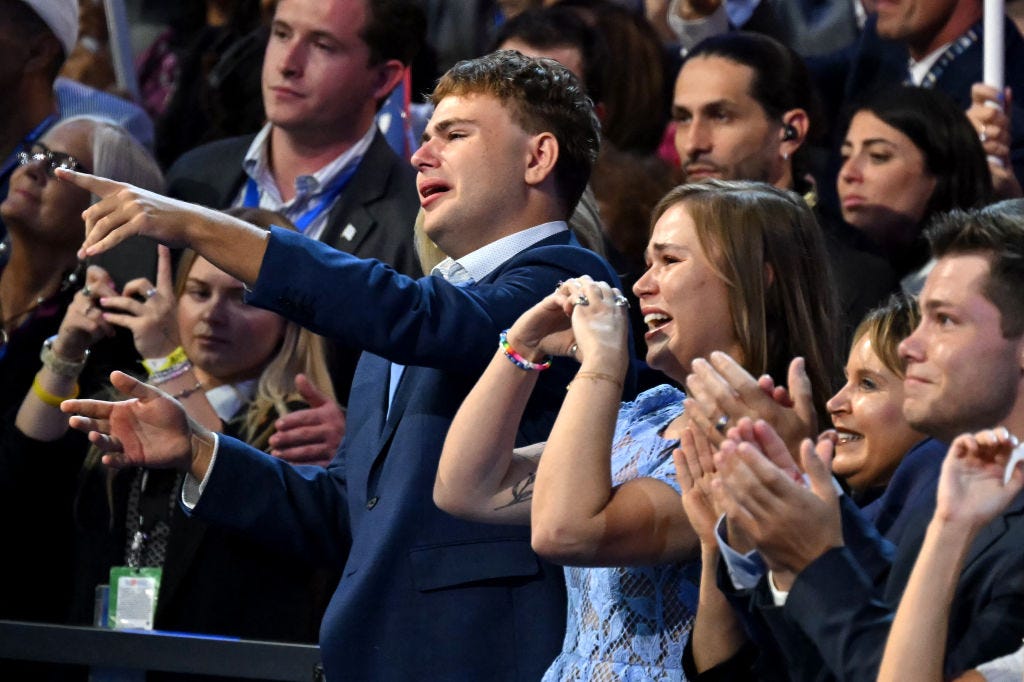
{"x":133,"y":596}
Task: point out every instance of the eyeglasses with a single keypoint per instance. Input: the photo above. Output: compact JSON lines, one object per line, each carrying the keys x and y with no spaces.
{"x":51,"y":160}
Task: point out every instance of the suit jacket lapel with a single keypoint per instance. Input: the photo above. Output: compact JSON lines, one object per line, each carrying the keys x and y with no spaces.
{"x":993,"y":531}
{"x":349,"y":222}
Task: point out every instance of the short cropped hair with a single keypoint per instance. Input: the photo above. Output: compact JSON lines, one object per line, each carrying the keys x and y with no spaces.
{"x":996,"y":231}
{"x":886,"y":326}
{"x":395,"y":29}
{"x":541,"y":96}
{"x":767,"y":247}
{"x":554,"y":27}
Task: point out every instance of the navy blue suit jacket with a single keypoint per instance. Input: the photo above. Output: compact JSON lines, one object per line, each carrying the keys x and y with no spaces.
{"x":423,"y":595}
{"x":837,"y":617}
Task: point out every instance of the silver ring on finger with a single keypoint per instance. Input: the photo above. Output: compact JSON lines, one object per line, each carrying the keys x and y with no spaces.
{"x":150,"y":292}
{"x":621,"y":301}
{"x":572,"y":349}
{"x":983,"y":135}
{"x":722,"y":424}
{"x":86,"y":291}
{"x":581,"y":300}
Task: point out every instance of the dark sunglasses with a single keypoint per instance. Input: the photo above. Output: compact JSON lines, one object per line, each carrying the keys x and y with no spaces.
{"x":51,"y":160}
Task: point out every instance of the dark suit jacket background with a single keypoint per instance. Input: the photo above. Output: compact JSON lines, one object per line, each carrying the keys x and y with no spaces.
{"x":839,"y":611}
{"x":380,"y":201}
{"x":873,"y":62}
{"x":423,"y":595}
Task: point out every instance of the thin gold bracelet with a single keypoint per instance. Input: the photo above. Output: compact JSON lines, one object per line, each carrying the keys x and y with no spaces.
{"x":596,"y":375}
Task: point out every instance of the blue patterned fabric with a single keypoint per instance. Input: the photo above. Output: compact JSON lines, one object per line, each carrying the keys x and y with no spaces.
{"x":631,"y":623}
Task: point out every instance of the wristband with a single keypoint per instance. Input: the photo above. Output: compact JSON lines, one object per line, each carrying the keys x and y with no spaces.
{"x":154,"y":365}
{"x":172,"y":372}
{"x":49,"y":398}
{"x":517,"y":359}
{"x":62,"y":367}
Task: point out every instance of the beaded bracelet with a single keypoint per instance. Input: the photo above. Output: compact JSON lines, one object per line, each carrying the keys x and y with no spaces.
{"x":517,"y":359}
{"x":172,"y":372}
{"x":49,"y":398}
{"x":69,"y":369}
{"x":186,"y":392}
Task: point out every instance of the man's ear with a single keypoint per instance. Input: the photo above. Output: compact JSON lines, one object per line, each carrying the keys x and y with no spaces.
{"x":795,"y":125}
{"x":541,"y":159}
{"x":389,"y":74}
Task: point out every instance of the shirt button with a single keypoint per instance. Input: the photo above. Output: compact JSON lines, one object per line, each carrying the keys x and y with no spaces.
{"x":372,"y":502}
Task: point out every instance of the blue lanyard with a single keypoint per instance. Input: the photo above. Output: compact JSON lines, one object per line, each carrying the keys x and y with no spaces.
{"x":252,"y":198}
{"x":957,"y":48}
{"x":27,"y":142}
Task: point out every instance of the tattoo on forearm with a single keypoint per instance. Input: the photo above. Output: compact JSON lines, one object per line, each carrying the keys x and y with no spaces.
{"x":521,"y":491}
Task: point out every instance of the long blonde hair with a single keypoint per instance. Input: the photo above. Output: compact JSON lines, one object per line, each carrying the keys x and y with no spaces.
{"x":300,"y":351}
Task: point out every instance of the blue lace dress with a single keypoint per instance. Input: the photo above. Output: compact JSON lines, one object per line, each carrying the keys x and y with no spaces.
{"x":632,"y":623}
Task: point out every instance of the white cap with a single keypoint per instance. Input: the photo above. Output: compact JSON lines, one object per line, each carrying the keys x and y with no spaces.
{"x":62,"y":18}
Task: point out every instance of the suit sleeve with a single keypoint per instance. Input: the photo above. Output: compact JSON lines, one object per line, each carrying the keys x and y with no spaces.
{"x":368,"y":305}
{"x":364,"y":303}
{"x":301,"y":509}
{"x":834,"y":603}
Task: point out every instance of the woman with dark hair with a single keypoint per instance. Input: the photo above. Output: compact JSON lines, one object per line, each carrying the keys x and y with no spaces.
{"x":909,"y":153}
{"x":601,"y":492}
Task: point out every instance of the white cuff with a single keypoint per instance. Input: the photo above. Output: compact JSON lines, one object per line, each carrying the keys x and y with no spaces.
{"x":778,"y":596}
{"x":745,"y":570}
{"x":191,"y":488}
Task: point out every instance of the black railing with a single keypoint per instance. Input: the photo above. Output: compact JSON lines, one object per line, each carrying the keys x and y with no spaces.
{"x":164,"y":651}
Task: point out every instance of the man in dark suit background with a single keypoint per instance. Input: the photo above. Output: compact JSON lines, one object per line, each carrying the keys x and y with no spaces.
{"x":929,"y":43}
{"x":423,"y":595}
{"x":320,"y":159}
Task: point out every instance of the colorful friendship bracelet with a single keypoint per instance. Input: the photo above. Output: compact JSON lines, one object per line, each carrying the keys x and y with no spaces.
{"x":517,"y":359}
{"x":49,"y":398}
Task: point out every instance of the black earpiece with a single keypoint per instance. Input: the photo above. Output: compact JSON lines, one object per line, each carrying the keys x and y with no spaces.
{"x":788,"y":133}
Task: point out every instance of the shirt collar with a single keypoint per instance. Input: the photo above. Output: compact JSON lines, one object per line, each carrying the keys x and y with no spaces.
{"x":918,"y":70}
{"x":484,"y":260}
{"x":228,"y":399}
{"x":256,"y":165}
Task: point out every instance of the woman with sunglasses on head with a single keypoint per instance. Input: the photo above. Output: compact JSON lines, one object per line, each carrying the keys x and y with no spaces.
{"x":235,"y":369}
{"x":600,"y":495}
{"x":38,"y":281}
{"x":44,"y":223}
